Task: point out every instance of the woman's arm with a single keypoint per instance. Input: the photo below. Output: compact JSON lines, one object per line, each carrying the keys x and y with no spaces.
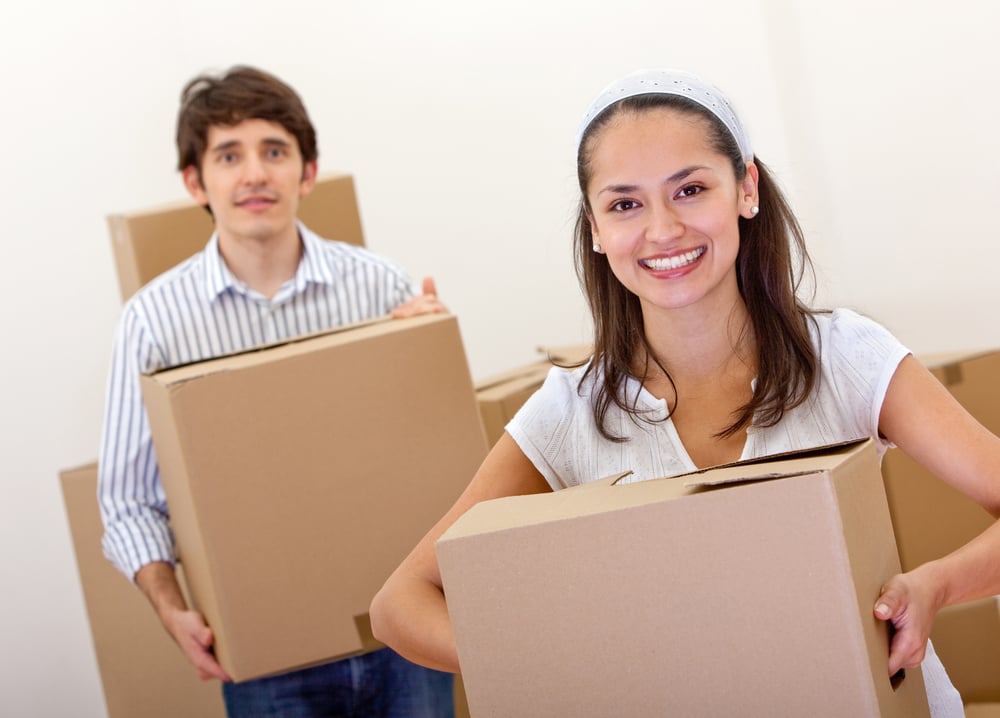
{"x":409,"y":613}
{"x":923,"y":419}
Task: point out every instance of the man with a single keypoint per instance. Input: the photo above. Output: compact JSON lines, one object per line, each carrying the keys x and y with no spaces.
{"x":247,"y":152}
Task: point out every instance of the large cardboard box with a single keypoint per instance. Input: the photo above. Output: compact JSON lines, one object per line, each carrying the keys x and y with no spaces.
{"x":148,"y":242}
{"x":300,"y":475}
{"x":931,"y":518}
{"x":745,"y":590}
{"x":967,"y":639}
{"x":143,"y":673}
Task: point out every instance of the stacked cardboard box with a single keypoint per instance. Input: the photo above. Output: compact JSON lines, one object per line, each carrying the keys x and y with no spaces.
{"x":967,"y":638}
{"x":744,"y":590}
{"x":142,"y":671}
{"x":501,"y":396}
{"x":982,"y":710}
{"x":149,"y":242}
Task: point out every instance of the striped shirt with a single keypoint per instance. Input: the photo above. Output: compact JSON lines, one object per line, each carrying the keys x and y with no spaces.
{"x":198,"y":310}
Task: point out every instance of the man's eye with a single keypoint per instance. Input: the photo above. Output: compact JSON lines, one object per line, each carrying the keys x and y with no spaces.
{"x":275,"y":153}
{"x":227,"y":158}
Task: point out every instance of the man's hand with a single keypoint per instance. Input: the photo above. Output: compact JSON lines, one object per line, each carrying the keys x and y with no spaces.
{"x":195,"y":638}
{"x":426,"y":303}
{"x":188,"y":628}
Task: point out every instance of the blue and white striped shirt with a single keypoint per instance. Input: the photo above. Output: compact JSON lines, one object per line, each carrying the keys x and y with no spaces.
{"x":198,"y":310}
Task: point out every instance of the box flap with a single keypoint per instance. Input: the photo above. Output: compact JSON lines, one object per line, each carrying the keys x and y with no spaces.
{"x":298,"y":344}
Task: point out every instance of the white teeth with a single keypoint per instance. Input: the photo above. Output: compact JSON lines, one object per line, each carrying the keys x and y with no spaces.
{"x":675,"y":262}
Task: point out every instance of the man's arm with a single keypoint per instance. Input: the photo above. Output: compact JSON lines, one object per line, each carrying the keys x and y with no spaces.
{"x":137,"y":537}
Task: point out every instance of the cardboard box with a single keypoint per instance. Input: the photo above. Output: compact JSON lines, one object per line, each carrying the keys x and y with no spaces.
{"x":982,"y":710}
{"x":967,"y":639}
{"x":143,"y":673}
{"x":299,"y":476}
{"x":149,"y":242}
{"x":501,"y":396}
{"x":930,"y":518}
{"x":745,"y":590}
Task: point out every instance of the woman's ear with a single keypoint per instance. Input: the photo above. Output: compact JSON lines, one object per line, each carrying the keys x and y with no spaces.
{"x":749,"y":202}
{"x":593,"y":232}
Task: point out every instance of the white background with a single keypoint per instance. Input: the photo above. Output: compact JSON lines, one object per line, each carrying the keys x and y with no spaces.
{"x":457,"y":120}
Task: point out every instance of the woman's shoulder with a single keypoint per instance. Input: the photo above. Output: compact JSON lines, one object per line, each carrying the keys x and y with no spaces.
{"x":847,"y":340}
{"x":844,"y":325}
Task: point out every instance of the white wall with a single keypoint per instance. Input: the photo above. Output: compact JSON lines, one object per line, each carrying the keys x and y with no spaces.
{"x":457,"y":120}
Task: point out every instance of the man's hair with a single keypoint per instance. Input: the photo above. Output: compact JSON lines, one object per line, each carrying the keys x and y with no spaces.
{"x":241,"y":93}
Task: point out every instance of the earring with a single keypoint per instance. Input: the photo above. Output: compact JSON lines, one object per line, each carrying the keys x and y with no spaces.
{"x":754,"y":210}
{"x":597,"y":247}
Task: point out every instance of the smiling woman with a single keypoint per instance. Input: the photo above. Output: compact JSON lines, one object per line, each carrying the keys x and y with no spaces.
{"x":705,"y":354}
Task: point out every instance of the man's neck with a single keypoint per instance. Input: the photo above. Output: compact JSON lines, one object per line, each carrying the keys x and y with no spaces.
{"x":263,"y":263}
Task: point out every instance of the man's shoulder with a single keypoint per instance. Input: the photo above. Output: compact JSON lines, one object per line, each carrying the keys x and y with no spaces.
{"x":180,"y":280}
{"x":333,"y":254}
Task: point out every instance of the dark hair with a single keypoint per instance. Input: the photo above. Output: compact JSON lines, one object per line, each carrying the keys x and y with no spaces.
{"x":768,"y":277}
{"x":241,"y":93}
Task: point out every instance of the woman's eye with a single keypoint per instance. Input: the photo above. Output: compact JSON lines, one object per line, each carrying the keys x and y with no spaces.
{"x":624,"y":205}
{"x":690,"y":191}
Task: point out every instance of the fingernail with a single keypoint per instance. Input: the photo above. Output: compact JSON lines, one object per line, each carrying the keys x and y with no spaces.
{"x":882,"y":610}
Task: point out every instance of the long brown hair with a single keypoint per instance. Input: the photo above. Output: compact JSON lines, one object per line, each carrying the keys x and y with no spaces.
{"x":770,"y":266}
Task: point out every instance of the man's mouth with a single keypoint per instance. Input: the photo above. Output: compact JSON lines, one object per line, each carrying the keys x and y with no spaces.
{"x":660,"y":264}
{"x":256,"y":200}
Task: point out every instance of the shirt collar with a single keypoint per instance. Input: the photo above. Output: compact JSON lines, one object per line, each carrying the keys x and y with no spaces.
{"x":219,"y":279}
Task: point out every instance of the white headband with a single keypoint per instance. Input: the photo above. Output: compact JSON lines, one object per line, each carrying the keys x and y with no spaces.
{"x":670,"y":82}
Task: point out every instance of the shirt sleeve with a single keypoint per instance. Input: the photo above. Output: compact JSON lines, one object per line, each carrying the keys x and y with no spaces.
{"x":130,"y":495}
{"x":864,"y":356}
{"x":543,"y":427}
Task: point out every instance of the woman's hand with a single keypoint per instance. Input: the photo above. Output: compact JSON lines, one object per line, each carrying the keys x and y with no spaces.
{"x":910,"y":602}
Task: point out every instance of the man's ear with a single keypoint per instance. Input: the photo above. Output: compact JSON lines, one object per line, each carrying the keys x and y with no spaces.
{"x":192,"y":183}
{"x":309,"y":172}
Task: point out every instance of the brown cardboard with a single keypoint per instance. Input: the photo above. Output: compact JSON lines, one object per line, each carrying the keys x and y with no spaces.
{"x":502,"y":395}
{"x":148,"y":242}
{"x":931,"y":518}
{"x":967,"y":639}
{"x":299,"y":476}
{"x":143,"y":673}
{"x":982,"y":710}
{"x":663,"y":598}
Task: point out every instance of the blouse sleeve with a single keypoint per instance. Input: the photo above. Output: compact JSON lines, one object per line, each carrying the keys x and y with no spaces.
{"x":863,"y":357}
{"x":543,"y":427}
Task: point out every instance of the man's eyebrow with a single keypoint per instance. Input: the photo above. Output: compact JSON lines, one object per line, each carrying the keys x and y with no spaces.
{"x":230,"y":144}
{"x":678,"y":176}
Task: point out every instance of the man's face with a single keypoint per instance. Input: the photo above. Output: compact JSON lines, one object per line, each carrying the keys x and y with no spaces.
{"x":252,"y":177}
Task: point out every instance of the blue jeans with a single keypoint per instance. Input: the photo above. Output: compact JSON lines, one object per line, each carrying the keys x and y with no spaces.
{"x":374,"y":685}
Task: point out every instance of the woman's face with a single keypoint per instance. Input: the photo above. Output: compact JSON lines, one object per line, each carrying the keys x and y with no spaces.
{"x":665,"y":206}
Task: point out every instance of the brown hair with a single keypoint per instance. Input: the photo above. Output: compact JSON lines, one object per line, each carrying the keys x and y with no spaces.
{"x":768,"y":277}
{"x":241,"y":93}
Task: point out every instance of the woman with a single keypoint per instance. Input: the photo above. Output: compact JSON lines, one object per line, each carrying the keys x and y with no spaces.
{"x":703,"y":354}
